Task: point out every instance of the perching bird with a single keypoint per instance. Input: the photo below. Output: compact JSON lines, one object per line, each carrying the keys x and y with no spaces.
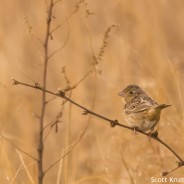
{"x":140,"y":111}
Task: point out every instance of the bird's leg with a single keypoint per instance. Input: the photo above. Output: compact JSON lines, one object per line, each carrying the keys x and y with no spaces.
{"x":149,"y":136}
{"x":134,"y":130}
{"x":152,"y":133}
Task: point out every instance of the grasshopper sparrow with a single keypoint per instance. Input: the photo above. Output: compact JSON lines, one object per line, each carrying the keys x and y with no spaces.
{"x":140,"y":111}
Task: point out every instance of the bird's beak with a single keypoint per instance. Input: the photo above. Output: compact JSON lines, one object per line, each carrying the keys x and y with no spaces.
{"x":121,"y":93}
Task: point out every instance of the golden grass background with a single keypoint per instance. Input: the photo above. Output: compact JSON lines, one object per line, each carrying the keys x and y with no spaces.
{"x":145,"y":48}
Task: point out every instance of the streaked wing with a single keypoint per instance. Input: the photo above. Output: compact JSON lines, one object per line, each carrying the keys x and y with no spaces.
{"x":141,"y":107}
{"x":144,"y":104}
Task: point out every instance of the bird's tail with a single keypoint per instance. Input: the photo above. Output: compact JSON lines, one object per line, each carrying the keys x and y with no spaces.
{"x":162,"y":106}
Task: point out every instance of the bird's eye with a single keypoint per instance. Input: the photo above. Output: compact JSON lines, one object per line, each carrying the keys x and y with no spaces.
{"x":131,"y":92}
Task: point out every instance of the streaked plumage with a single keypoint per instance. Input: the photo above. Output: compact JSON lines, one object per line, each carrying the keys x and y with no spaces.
{"x":140,"y":111}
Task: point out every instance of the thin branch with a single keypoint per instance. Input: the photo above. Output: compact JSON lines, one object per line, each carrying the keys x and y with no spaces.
{"x":113,"y":123}
{"x":30,"y":164}
{"x":16,"y":174}
{"x":25,"y":167}
{"x":68,"y":18}
{"x":40,"y":148}
{"x":51,"y":126}
{"x":81,"y":80}
{"x":168,"y":172}
{"x":67,"y":89}
{"x":82,"y":134}
{"x":61,"y":47}
{"x":57,"y":118}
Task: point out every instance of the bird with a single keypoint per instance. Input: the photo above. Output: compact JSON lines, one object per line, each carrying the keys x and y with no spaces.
{"x":140,"y":111}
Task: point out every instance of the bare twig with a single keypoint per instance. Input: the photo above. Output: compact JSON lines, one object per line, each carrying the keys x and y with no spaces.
{"x":68,"y":18}
{"x":55,"y":123}
{"x":41,"y":128}
{"x":81,"y":80}
{"x":56,"y":120}
{"x":16,"y":174}
{"x":68,"y":88}
{"x":62,"y":46}
{"x":63,"y":71}
{"x":25,"y":167}
{"x":82,"y":134}
{"x":112,"y":122}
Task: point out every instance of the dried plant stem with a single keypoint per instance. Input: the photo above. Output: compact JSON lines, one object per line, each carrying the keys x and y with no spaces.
{"x":80,"y":137}
{"x":59,"y":172}
{"x":112,"y":122}
{"x":70,"y":149}
{"x":16,"y":174}
{"x":41,"y":128}
{"x":67,"y":135}
{"x":25,"y":167}
{"x":61,"y":47}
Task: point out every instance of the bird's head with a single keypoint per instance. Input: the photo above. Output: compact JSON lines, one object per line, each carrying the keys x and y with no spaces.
{"x":130,"y":92}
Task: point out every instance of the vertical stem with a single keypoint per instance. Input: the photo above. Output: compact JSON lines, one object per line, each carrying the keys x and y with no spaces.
{"x":41,"y":144}
{"x":67,"y":135}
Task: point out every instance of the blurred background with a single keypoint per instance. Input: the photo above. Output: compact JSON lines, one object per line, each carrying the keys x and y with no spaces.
{"x":144,"y":47}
